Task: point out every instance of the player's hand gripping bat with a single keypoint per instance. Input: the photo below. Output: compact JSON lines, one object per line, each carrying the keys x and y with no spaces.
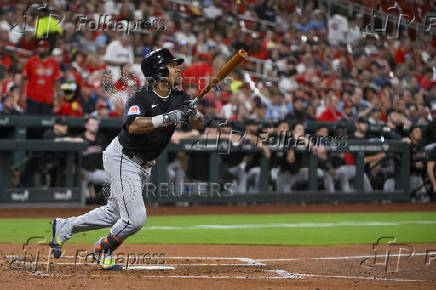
{"x":227,"y":68}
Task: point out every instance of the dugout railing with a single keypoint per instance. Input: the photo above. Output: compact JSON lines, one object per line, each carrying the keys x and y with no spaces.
{"x":69,"y":194}
{"x":15,"y":130}
{"x":359,"y":148}
{"x":32,"y":127}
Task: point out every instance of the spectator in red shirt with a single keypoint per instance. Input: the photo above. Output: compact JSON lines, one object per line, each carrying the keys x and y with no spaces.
{"x":42,"y":74}
{"x":330,"y":114}
{"x":102,"y":109}
{"x":71,"y":109}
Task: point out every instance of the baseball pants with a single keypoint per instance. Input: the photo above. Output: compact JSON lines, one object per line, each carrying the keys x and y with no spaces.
{"x":346,"y":173}
{"x":287,"y":180}
{"x":125,"y":211}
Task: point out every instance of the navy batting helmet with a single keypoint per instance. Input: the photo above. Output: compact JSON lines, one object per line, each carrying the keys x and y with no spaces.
{"x":153,"y":65}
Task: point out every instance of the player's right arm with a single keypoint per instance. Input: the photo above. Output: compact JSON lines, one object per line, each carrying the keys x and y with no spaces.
{"x":144,"y":125}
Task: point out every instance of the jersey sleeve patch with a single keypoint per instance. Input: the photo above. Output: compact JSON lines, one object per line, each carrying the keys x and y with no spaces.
{"x":134,"y":110}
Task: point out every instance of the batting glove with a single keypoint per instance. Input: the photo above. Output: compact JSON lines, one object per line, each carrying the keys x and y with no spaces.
{"x":173,"y":118}
{"x":190,"y":109}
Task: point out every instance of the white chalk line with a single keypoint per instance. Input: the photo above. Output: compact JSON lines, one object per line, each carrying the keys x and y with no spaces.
{"x":286,"y":274}
{"x":133,"y":264}
{"x":259,"y":261}
{"x":344,"y":257}
{"x":288,"y":225}
{"x":282,"y":275}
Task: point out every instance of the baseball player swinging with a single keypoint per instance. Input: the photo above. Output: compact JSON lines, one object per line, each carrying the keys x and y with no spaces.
{"x":149,"y":120}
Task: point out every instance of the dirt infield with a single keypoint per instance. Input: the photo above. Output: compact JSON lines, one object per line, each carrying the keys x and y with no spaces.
{"x":252,"y":209}
{"x":162,"y":266}
{"x":210,"y":267}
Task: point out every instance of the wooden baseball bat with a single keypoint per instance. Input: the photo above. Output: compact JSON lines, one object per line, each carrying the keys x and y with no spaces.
{"x":227,"y":68}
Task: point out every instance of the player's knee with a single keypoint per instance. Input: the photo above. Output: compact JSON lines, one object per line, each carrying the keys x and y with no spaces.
{"x":139,"y":221}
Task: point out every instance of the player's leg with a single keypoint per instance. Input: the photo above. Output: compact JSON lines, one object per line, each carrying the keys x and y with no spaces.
{"x":241,"y":176}
{"x":99,"y":218}
{"x":102,"y":217}
{"x":344,"y":173}
{"x":133,"y":215}
{"x":328,"y":180}
{"x":130,"y":203}
{"x":285,"y":181}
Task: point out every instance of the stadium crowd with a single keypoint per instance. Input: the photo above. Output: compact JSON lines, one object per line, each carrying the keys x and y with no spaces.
{"x":314,"y":67}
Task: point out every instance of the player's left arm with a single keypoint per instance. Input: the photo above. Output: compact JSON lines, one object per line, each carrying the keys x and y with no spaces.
{"x":197,"y":121}
{"x":195,"y":117}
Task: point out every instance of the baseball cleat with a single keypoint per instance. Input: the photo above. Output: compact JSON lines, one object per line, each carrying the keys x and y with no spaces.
{"x":55,"y":244}
{"x":104,"y":257}
{"x":108,"y":263}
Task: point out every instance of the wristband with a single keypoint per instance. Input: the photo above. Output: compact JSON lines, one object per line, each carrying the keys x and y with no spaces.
{"x":157,"y":121}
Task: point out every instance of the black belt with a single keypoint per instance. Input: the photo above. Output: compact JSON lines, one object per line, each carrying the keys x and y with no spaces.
{"x":138,"y":160}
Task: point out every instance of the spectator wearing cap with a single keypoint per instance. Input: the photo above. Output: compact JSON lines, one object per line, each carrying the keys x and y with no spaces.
{"x":92,"y":164}
{"x":88,"y":99}
{"x":298,"y":113}
{"x":58,"y":131}
{"x":266,"y":11}
{"x":12,"y":91}
{"x":103,"y":109}
{"x":330,"y":114}
{"x":51,"y":164}
{"x":375,"y":116}
{"x":8,"y":105}
{"x":348,"y":112}
{"x":42,"y":89}
{"x":259,"y":112}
